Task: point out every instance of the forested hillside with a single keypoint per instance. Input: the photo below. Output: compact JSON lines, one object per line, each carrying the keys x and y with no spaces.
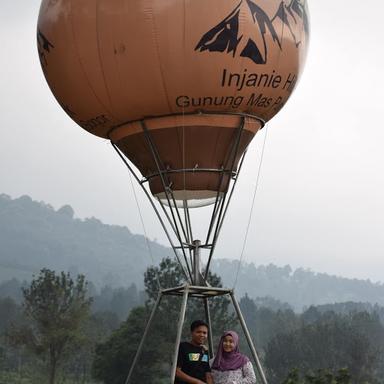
{"x":300,"y":288}
{"x":33,"y":235}
{"x":342,"y":340}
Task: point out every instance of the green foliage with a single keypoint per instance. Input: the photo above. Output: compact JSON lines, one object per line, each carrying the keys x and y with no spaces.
{"x":264,"y":323}
{"x":320,"y":377}
{"x":94,"y":330}
{"x":329,"y":341}
{"x":112,"y":358}
{"x":55,"y":307}
{"x":117,"y":300}
{"x":319,"y":338}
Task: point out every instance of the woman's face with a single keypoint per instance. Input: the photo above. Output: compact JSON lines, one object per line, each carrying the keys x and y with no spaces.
{"x":228,"y":343}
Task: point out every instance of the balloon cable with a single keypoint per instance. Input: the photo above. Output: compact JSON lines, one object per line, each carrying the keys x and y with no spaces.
{"x":144,"y":230}
{"x":252,"y":207}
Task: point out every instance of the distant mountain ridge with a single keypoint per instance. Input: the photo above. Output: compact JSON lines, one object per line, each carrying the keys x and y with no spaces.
{"x":299,"y":288}
{"x":33,"y":235}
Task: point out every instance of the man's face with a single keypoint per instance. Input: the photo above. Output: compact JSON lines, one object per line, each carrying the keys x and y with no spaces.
{"x":199,"y":335}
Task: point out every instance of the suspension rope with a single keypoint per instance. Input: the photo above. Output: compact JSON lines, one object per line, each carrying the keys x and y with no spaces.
{"x":152,"y":202}
{"x":252,"y":207}
{"x":145,"y":231}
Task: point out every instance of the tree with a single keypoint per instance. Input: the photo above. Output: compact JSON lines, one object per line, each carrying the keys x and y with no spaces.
{"x":264,"y":322}
{"x":169,"y":274}
{"x":95,"y":330}
{"x":114,"y":356}
{"x":55,"y":307}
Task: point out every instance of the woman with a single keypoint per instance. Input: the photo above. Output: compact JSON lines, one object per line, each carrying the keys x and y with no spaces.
{"x":230,"y":366}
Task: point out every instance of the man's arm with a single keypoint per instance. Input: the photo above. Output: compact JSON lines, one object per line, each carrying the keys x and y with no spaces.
{"x":208,"y":378}
{"x":189,"y":379}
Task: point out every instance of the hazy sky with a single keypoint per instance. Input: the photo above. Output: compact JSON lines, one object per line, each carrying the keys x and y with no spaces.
{"x":320,"y":199}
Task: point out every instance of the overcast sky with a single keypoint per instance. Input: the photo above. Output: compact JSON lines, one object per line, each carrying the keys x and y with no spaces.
{"x":320,"y":198}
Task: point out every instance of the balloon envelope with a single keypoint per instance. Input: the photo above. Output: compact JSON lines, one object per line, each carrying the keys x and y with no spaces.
{"x":192,"y":81}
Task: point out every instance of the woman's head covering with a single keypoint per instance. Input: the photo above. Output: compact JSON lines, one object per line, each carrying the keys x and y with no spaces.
{"x":229,"y":361}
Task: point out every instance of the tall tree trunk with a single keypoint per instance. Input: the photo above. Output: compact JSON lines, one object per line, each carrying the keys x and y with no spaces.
{"x":52,"y":367}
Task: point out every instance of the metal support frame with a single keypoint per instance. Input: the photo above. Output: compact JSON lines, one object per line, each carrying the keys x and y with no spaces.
{"x":196,"y":262}
{"x":209,"y":322}
{"x":204,"y":293}
{"x":249,"y":339}
{"x":177,"y":225}
{"x":140,"y":347}
{"x":179,"y":332}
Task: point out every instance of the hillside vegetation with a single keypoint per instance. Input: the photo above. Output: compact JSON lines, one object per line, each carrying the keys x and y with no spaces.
{"x":33,"y":235}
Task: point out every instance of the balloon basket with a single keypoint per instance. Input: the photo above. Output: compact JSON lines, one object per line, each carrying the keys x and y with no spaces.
{"x":165,"y":184}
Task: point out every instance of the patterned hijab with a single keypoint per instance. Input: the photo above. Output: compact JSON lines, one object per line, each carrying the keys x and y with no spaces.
{"x":229,"y":361}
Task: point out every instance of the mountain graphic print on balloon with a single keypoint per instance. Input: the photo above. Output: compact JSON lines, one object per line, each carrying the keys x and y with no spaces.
{"x":44,"y":47}
{"x":226,"y":37}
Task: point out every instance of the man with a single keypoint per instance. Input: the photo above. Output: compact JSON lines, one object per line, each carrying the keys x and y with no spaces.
{"x":193,"y":359}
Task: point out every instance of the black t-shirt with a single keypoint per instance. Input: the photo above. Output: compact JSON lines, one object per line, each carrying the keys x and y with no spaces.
{"x":194,"y":361}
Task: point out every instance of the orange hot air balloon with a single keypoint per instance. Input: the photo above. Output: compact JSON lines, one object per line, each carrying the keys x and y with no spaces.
{"x":180,"y":87}
{"x":200,"y":77}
